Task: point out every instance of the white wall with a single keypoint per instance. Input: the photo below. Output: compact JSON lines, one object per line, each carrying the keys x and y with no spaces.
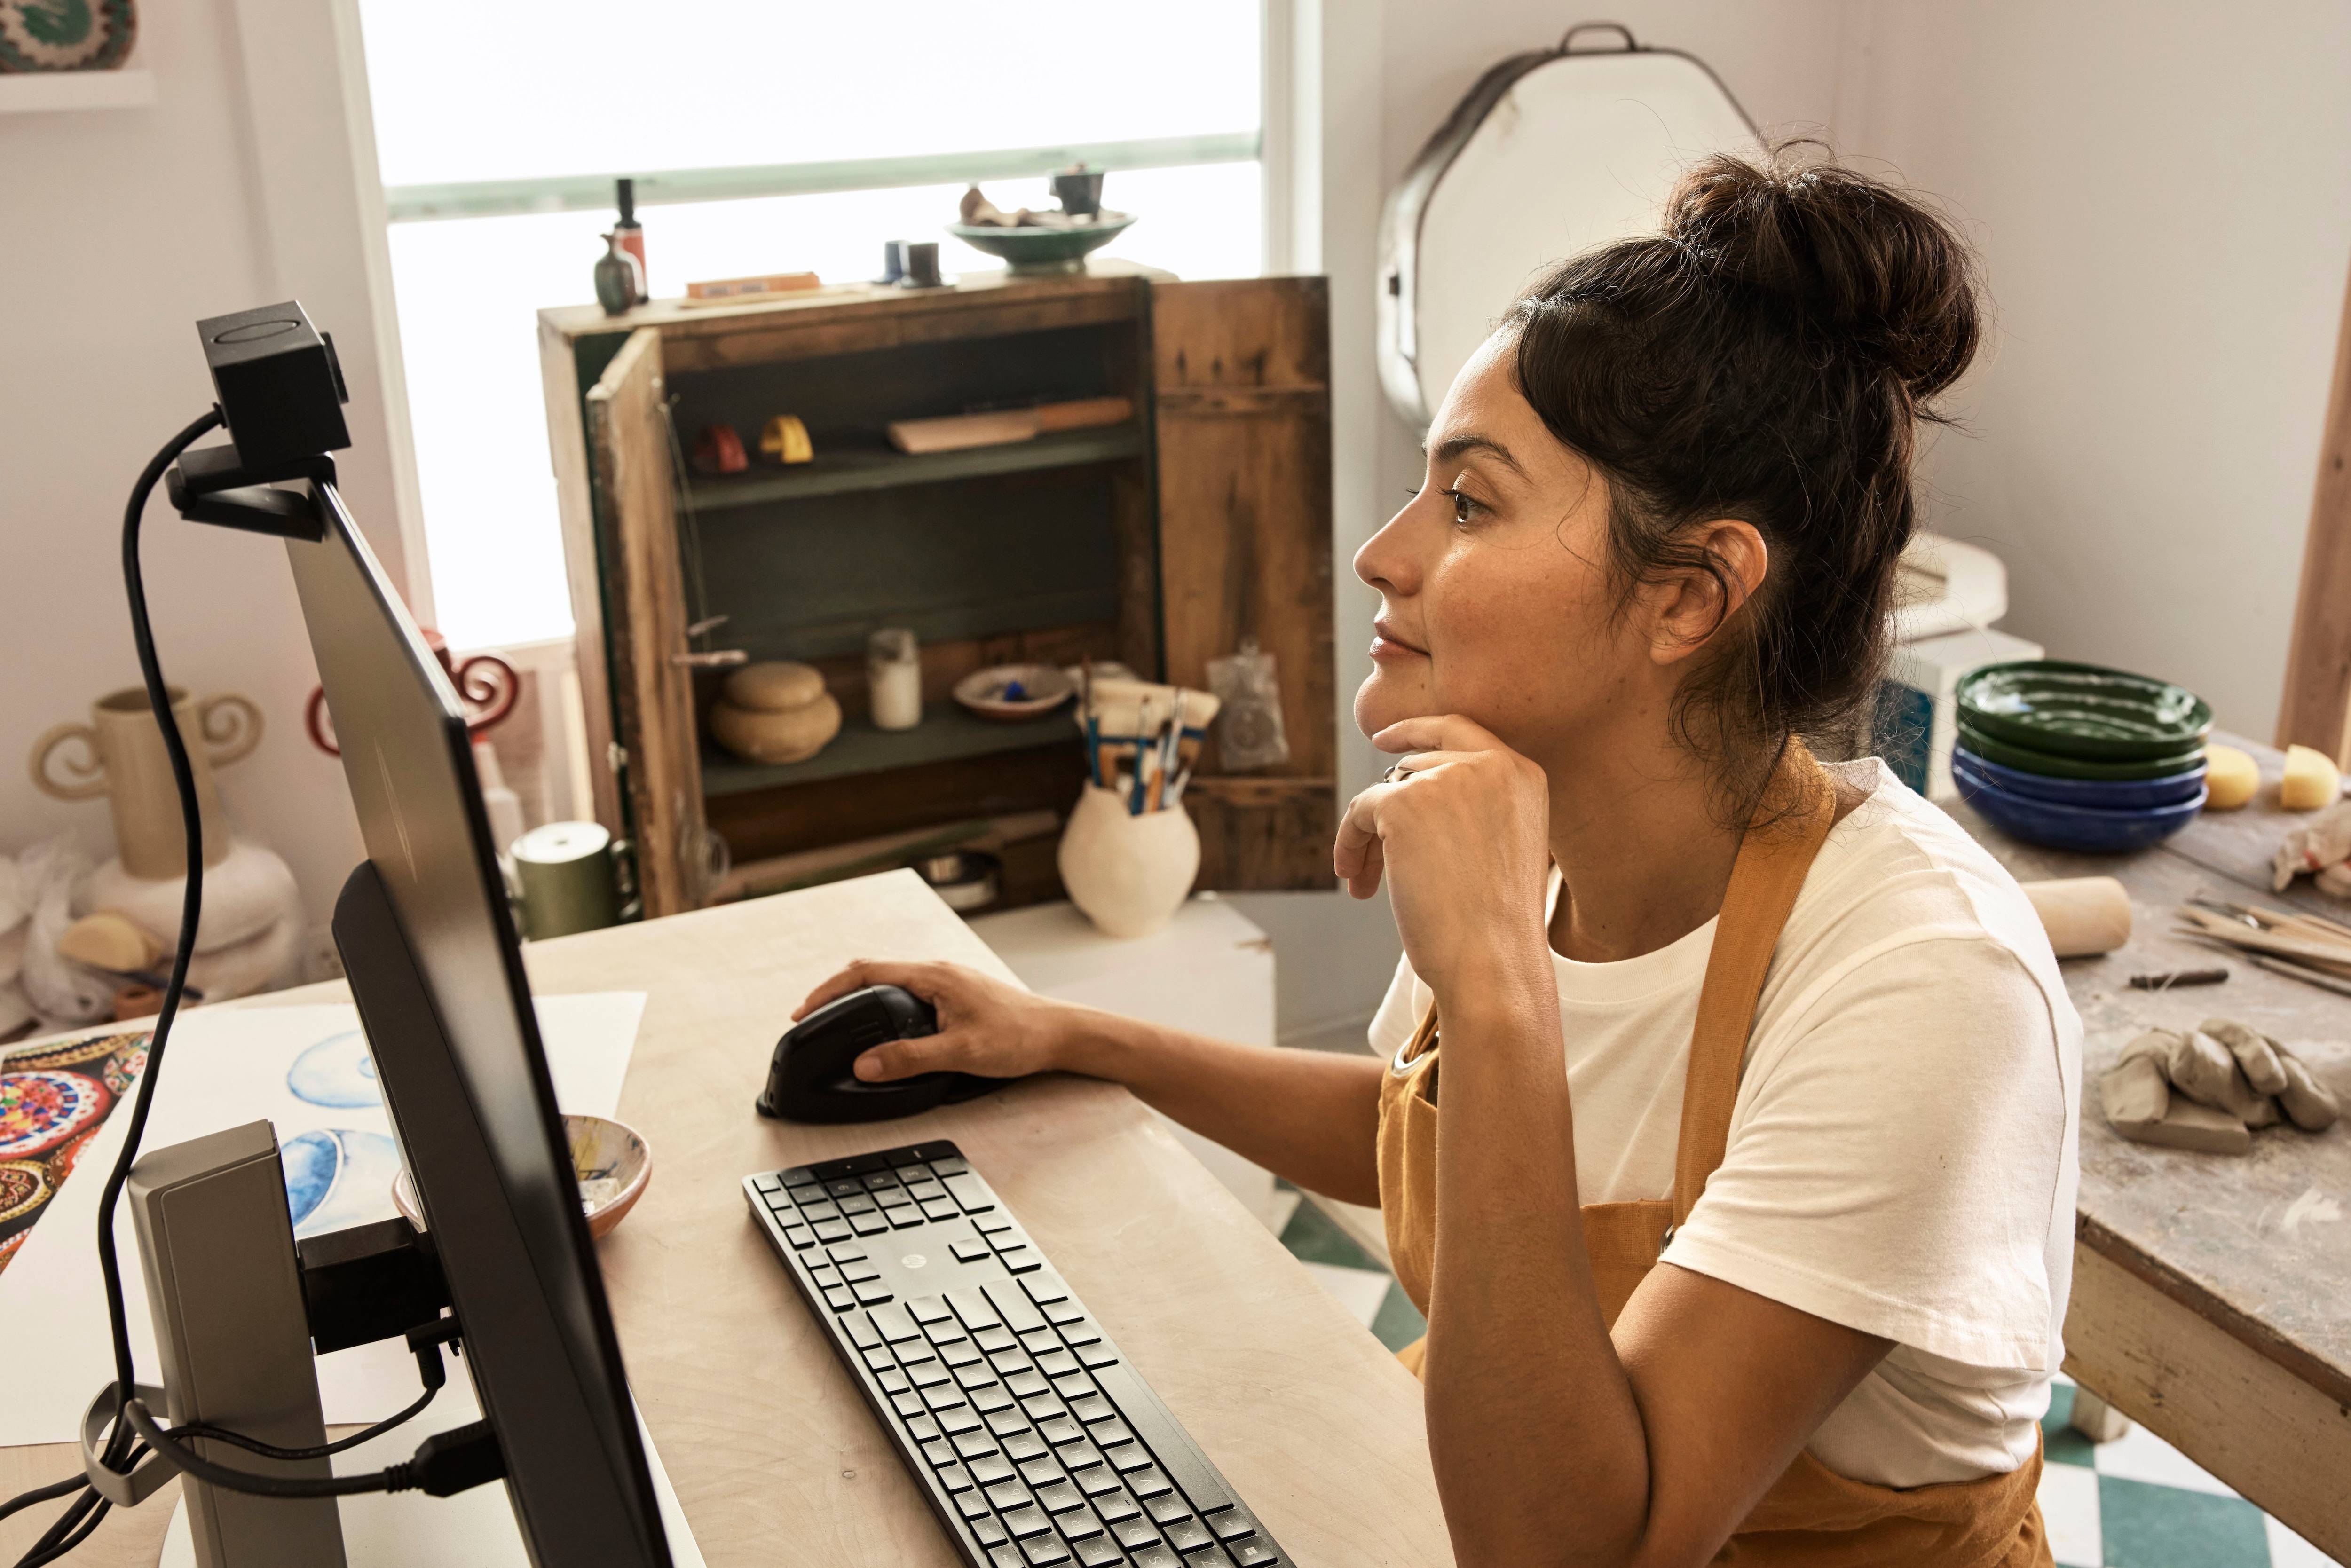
{"x":124,"y":227}
{"x":2162,"y":194}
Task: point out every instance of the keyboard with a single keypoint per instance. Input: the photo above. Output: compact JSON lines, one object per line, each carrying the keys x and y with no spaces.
{"x":1035,"y":1441}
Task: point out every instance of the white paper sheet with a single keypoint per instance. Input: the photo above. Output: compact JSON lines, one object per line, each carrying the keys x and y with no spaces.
{"x":301,"y":1067}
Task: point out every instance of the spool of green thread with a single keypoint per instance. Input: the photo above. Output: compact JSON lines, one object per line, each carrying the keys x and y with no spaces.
{"x":566,"y":870}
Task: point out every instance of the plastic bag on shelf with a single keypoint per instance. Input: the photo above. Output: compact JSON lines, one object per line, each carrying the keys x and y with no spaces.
{"x":1249,"y":727}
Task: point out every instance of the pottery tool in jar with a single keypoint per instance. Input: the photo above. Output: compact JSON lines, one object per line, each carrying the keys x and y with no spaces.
{"x":1141,"y":737}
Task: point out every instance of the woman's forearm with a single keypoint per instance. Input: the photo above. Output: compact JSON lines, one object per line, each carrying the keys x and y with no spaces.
{"x":1524,"y":1387}
{"x":1310,"y":1116}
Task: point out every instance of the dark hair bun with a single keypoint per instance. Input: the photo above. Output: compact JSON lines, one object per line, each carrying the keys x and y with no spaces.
{"x":1856,"y":259}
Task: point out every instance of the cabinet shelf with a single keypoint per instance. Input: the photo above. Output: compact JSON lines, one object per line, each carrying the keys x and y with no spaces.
{"x":947,"y":734}
{"x":839,"y":473}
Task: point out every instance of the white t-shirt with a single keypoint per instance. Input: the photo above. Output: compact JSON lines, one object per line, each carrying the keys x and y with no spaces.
{"x":1902,"y":1153}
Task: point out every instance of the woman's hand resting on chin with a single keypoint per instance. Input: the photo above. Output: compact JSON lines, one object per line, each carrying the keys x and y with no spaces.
{"x":985,"y":1026}
{"x":1464,"y":839}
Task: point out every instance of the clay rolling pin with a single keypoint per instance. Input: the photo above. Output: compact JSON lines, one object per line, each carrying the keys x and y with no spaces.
{"x":2082,"y":915}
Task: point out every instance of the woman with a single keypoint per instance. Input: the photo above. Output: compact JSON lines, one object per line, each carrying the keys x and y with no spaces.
{"x":1744,"y":1213}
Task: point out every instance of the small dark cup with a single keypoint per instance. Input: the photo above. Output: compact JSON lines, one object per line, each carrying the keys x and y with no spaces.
{"x":919,"y":261}
{"x":894,"y":261}
{"x":1078,"y":191}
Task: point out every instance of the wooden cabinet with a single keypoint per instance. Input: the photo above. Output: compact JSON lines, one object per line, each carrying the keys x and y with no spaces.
{"x":1162,"y":542}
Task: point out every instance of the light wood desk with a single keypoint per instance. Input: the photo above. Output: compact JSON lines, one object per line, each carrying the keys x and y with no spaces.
{"x":773,"y":1453}
{"x":2212,"y":1295}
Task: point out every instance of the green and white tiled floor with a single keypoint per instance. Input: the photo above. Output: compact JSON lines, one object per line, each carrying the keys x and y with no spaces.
{"x":2137,"y":1503}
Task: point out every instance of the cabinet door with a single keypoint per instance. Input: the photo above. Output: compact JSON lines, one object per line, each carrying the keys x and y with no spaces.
{"x":1242,"y":405}
{"x":644,"y":625}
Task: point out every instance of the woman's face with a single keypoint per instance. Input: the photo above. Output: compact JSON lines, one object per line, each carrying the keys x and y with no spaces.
{"x":1496,"y":603}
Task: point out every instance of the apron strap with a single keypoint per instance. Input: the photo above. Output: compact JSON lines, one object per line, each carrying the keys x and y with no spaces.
{"x":1790,"y":826}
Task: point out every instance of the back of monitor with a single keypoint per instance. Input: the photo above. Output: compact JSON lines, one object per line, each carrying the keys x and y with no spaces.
{"x":1550,"y":153}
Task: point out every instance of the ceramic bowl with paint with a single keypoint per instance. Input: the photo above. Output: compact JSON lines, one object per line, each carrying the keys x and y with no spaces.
{"x":2084,"y":711}
{"x":608,"y":1159}
{"x":1026,"y":251}
{"x":1014,"y":691}
{"x":2080,"y":829}
{"x":2099,"y":794}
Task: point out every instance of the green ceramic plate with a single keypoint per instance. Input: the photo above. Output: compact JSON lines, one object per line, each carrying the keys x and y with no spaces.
{"x":2083,"y":711}
{"x":1031,"y":251}
{"x":1992,"y":748}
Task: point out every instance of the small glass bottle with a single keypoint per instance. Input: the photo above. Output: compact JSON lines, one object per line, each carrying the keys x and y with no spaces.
{"x":893,"y":678}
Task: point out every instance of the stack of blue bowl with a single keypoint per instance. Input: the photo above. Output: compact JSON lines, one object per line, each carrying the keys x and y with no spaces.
{"x":2074,"y":756}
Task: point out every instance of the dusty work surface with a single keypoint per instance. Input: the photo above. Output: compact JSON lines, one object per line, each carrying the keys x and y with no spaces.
{"x":2260,"y":1245}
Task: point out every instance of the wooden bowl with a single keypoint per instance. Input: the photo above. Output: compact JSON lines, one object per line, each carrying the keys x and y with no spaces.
{"x":608,"y":1159}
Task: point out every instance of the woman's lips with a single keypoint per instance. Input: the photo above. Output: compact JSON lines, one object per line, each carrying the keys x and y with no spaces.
{"x":1387,"y":645}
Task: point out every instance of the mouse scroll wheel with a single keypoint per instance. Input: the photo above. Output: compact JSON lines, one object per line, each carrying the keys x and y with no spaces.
{"x":869,"y":1032}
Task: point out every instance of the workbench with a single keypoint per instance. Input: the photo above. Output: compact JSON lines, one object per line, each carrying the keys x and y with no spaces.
{"x":2212,"y":1294}
{"x":775,"y":1456}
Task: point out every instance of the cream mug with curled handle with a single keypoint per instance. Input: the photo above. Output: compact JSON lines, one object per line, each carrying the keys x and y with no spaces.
{"x":121,"y":756}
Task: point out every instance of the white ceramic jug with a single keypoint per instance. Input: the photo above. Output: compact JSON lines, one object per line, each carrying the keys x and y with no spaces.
{"x":1129,"y":873}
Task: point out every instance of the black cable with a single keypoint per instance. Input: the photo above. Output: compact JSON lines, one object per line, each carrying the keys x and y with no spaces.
{"x":135,"y":1417}
{"x":324,"y":1450}
{"x":41,"y":1494}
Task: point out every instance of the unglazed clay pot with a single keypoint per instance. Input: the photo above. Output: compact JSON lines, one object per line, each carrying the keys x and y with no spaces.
{"x":776,"y":711}
{"x":122,"y":757}
{"x":1129,"y":873}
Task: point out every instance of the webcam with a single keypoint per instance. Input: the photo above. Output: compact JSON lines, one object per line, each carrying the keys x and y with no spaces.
{"x":280,"y":394}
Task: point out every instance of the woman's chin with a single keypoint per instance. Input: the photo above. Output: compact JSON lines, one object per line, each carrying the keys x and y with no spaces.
{"x":1388,"y":697}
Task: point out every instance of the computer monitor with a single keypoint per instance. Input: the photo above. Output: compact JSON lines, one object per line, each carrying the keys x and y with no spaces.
{"x":428,"y":944}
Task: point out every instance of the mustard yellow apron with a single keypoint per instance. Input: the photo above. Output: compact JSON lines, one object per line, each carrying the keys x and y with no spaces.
{"x":1811,"y":1516}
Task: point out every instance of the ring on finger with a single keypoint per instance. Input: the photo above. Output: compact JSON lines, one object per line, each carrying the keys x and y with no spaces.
{"x":1398,"y":774}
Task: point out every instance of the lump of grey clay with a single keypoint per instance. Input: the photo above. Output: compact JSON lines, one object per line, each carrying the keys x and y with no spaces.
{"x":2205,"y":1072}
{"x":2311,"y":1105}
{"x":2188,"y":1126}
{"x":2256,"y":1054}
{"x":2136,"y":1096}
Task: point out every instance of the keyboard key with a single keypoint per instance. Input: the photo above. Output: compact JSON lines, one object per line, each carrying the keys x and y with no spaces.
{"x":799,"y":1235}
{"x":973,"y":1309}
{"x":879,"y":1180}
{"x":1043,"y":1408}
{"x":1008,"y":1495}
{"x":1040,"y":1342}
{"x":817,"y":1211}
{"x":896,"y":1197}
{"x":1059,"y":1497}
{"x":872,"y":1294}
{"x":833,"y":1230}
{"x":1098,"y":1480}
{"x":825,"y":1276}
{"x":970,"y":1194}
{"x":1024,"y":1447}
{"x":1038,"y":1472}
{"x":925,"y":1189}
{"x":840,"y":1298}
{"x":939,"y":1453}
{"x":969,"y":1251}
{"x":1062,"y":1312}
{"x":1115,"y":1505}
{"x":846,"y":1187}
{"x":1157,"y":1557}
{"x":1005,"y":1556}
{"x":1077,"y":1385}
{"x":1008,"y":1362}
{"x":1004,"y":1423}
{"x":1097,"y":1552}
{"x":1188,"y":1535}
{"x":1098,"y":1355}
{"x":1045,"y":1288}
{"x":1026,"y":1521}
{"x":895,"y":1325}
{"x":971,"y":1505}
{"x":858,"y":1203}
{"x":1167,"y":1510}
{"x":862,"y":1333}
{"x":944,"y":1330}
{"x":923,"y":1428}
{"x":1060,"y":1430}
{"x":768,"y":1183}
{"x":954,"y":1477}
{"x":943,"y":1397}
{"x":880,"y":1359}
{"x":1091,"y":1408}
{"x":925,"y":1374}
{"x":994,"y":1468}
{"x":1128,"y":1458}
{"x":904,"y":1219}
{"x":858,"y":1273}
{"x":988,"y":1401}
{"x":1077,"y":1524}
{"x":1019,"y":1259}
{"x":1044,"y":1552}
{"x":1111,"y":1433}
{"x":971,"y":1445}
{"x":914,"y":1353}
{"x":994,"y":1340}
{"x":848,"y":1252}
{"x":949,"y":1164}
{"x":868,"y":1224}
{"x":799,"y":1175}
{"x":1134,"y":1534}
{"x":1232,"y":1524}
{"x":1024,"y":1384}
{"x":909,"y":1155}
{"x":961,"y":1353}
{"x":1148,"y":1482}
{"x":954,"y":1423}
{"x":993,"y":1224}
{"x":1080,"y":1332}
{"x":1057,"y":1363}
{"x":940,"y":1209}
{"x":1253,"y":1555}
{"x":928,"y":1310}
{"x":1021,"y":1313}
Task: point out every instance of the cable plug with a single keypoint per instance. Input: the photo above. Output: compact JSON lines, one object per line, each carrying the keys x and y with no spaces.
{"x":450,"y":1462}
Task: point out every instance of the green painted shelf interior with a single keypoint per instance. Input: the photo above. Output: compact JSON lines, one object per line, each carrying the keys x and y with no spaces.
{"x":842,"y":473}
{"x":947,"y":734}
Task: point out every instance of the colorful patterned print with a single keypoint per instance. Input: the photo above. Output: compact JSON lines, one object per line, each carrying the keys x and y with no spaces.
{"x":38,"y":1111}
{"x":54,"y":1098}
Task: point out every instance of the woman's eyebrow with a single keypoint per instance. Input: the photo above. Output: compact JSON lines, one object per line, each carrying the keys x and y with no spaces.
{"x":1458,"y":446}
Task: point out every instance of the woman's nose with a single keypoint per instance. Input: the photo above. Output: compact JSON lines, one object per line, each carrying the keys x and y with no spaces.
{"x":1385,"y":563}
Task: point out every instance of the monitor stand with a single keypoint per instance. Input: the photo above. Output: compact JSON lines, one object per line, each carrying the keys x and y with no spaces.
{"x":410,"y":1530}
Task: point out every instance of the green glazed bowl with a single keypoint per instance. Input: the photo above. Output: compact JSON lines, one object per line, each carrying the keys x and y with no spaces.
{"x":1029,"y":252}
{"x":2049,"y":765}
{"x":2083,"y":711}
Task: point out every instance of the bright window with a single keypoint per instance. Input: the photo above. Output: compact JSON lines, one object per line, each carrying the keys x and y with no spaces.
{"x":523,"y":113}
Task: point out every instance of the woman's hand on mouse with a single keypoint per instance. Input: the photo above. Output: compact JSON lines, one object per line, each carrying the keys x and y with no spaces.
{"x":985,"y":1026}
{"x":1462,"y":832}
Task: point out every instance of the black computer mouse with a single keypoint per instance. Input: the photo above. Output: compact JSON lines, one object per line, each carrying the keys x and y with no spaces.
{"x":811,"y":1080}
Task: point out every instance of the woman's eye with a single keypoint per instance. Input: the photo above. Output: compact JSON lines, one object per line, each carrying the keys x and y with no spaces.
{"x":1464,"y":510}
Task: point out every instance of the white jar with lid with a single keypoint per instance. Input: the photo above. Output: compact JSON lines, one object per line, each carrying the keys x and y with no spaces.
{"x":893,"y":678}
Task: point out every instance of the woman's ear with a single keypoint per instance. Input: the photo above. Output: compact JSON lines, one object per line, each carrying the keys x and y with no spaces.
{"x":1693,"y":605}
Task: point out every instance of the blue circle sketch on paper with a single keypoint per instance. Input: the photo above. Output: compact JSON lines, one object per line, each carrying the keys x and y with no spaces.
{"x":337,"y":1072}
{"x":338,"y":1177}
